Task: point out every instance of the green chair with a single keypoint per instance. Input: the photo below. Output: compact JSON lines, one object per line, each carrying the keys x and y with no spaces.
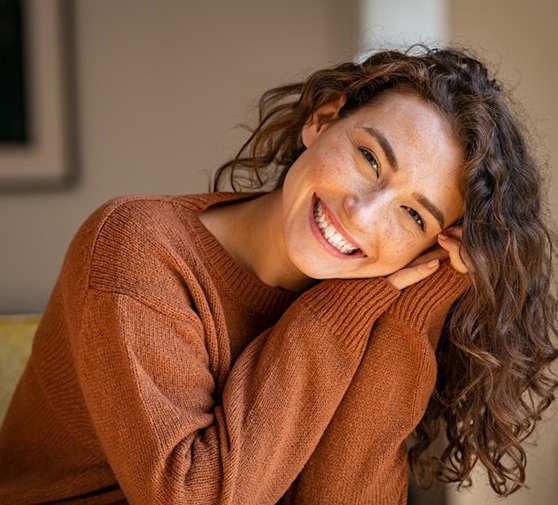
{"x":16,"y":338}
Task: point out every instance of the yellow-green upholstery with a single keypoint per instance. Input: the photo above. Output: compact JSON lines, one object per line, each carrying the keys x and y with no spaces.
{"x":16,"y":337}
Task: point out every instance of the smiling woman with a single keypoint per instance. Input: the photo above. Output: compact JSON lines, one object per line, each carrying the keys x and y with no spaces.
{"x":283,"y":346}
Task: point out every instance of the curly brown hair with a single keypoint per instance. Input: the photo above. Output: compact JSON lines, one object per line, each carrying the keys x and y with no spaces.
{"x":498,"y":340}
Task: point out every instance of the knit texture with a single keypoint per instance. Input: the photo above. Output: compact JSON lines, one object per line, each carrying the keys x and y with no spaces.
{"x":163,"y":372}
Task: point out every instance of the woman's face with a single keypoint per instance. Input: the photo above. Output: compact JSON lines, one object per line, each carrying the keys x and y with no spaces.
{"x":372,"y":190}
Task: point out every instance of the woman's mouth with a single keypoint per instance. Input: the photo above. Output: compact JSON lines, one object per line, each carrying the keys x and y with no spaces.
{"x":331,"y":234}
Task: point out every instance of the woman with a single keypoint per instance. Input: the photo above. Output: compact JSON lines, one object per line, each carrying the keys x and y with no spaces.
{"x":279,"y":346}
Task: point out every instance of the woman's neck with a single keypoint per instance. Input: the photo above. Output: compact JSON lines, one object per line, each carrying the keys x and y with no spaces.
{"x":251,"y":232}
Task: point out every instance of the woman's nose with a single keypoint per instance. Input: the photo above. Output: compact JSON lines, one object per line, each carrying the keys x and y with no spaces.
{"x":367,"y":211}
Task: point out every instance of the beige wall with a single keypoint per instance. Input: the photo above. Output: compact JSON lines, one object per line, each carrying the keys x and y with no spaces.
{"x":521,"y":38}
{"x":161,"y":85}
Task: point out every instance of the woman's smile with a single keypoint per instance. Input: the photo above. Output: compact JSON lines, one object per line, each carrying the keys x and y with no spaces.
{"x":330,"y":233}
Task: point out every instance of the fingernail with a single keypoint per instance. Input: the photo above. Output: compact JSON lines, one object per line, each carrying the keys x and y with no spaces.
{"x":432,"y":263}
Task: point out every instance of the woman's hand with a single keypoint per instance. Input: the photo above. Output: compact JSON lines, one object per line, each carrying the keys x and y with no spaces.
{"x":450,"y":241}
{"x":423,"y":266}
{"x":426,"y":264}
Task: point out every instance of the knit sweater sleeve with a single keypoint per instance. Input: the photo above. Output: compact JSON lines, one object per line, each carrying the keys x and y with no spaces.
{"x":362,"y":457}
{"x":144,"y":369}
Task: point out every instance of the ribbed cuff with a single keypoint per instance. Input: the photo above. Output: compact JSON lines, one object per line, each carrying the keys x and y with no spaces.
{"x":421,"y":301}
{"x":349,"y":307}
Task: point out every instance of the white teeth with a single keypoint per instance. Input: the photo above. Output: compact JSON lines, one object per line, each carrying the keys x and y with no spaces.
{"x":330,"y":233}
{"x":337,"y":238}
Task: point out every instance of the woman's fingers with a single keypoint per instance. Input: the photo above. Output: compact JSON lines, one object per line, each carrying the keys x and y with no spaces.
{"x":413,"y":274}
{"x":437,"y":253}
{"x":452,"y":244}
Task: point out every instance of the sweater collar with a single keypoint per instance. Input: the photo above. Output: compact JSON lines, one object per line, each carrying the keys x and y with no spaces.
{"x":243,"y":286}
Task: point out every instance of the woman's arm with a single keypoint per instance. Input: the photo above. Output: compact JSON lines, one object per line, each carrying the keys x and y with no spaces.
{"x":168,"y":437}
{"x":362,"y":457}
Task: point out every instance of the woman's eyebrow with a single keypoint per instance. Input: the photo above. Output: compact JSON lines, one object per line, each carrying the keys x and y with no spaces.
{"x":384,"y":144}
{"x":390,"y":155}
{"x":430,"y":207}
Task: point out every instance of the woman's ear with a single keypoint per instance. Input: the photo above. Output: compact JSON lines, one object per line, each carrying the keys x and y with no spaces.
{"x":321,"y":118}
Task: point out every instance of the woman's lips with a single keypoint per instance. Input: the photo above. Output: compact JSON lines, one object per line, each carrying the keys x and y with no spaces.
{"x":330,"y":235}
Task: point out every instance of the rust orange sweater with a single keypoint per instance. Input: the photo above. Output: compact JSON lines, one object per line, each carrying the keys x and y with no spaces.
{"x":162,"y":372}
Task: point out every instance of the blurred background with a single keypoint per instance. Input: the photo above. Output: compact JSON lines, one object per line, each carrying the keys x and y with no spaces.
{"x":144,"y":96}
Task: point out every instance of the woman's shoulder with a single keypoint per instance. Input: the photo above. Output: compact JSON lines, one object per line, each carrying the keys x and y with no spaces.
{"x":129,"y":211}
{"x":122,"y":220}
{"x":131,"y":217}
{"x":131,"y":241}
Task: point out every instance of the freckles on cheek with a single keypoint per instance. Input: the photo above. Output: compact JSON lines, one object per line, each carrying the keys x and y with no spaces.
{"x":402,"y":252}
{"x":331,"y":163}
{"x":321,"y":169}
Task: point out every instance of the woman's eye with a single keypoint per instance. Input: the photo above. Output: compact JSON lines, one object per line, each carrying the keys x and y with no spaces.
{"x":416,"y":217}
{"x":371,"y":159}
